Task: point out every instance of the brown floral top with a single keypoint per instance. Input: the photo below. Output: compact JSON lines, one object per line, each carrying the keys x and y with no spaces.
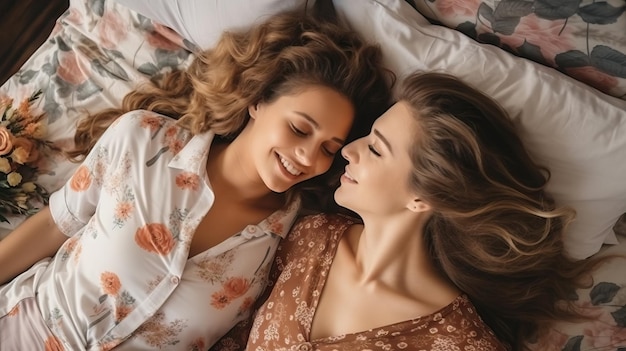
{"x":300,"y":269}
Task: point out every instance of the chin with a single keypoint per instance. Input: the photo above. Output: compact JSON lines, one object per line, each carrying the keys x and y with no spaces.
{"x":340,"y":200}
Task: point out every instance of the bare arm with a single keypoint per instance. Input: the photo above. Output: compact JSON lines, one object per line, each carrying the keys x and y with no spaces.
{"x":34,"y":239}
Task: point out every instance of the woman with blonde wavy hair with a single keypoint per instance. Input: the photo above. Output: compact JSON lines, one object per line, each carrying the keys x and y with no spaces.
{"x":164,"y":236}
{"x":457,"y":245}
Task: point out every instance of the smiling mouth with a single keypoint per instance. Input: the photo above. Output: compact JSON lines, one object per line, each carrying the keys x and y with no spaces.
{"x":289,"y":167}
{"x":347,"y":176}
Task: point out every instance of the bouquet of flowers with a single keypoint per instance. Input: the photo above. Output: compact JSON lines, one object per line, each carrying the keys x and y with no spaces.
{"x":22,"y":145}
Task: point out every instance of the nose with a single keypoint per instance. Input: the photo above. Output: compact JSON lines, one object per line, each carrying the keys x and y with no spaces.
{"x":306,"y":154}
{"x":349,"y":151}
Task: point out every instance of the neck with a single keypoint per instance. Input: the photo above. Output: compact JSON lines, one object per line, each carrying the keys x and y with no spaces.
{"x":231,"y":173}
{"x":392,"y":252}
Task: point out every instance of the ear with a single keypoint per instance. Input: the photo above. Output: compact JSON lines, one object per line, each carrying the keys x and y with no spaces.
{"x":252,"y":110}
{"x":417,"y":205}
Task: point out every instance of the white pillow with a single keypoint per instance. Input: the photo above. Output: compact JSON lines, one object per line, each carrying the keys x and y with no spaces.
{"x":574,"y":130}
{"x":202,"y":21}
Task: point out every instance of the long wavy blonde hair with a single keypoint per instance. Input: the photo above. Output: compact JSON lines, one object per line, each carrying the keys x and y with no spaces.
{"x":281,"y":56}
{"x":495,"y":232}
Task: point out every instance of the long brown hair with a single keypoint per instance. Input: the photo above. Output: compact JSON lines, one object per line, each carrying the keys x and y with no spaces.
{"x":278,"y":57}
{"x":494,"y":232}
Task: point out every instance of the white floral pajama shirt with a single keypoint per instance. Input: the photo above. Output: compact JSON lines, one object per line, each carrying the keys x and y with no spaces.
{"x":123,"y":279}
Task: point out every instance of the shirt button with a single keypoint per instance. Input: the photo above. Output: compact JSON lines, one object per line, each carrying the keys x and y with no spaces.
{"x":174,"y":280}
{"x":251,"y":231}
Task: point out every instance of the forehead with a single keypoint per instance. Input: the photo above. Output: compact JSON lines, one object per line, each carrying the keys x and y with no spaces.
{"x":321,"y":105}
{"x":398,"y":125}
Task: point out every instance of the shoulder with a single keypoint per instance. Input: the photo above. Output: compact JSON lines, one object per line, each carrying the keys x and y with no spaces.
{"x":140,"y":120}
{"x":464,"y":317}
{"x":139,"y":127}
{"x":323,"y":221}
{"x":319,"y":228}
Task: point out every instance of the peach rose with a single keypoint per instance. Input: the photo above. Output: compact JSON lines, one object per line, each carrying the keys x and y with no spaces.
{"x":110,"y":283}
{"x":81,"y":180}
{"x":123,"y":210}
{"x":187,"y":180}
{"x":155,"y":237}
{"x":6,"y":141}
{"x":151,"y":122}
{"x":235,"y":287}
{"x":53,"y":344}
{"x":220,"y":299}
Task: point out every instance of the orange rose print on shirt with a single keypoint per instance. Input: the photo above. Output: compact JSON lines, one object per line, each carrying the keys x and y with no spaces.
{"x":155,"y":237}
{"x":14,"y":311}
{"x":235,"y":287}
{"x":231,"y":289}
{"x":187,"y":180}
{"x":110,"y":283}
{"x":53,"y":344}
{"x":151,"y":122}
{"x":81,"y":180}
{"x":220,"y":299}
{"x":123,"y":210}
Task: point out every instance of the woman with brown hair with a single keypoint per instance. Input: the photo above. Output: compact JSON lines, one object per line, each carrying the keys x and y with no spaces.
{"x":164,"y":235}
{"x":457,"y":245}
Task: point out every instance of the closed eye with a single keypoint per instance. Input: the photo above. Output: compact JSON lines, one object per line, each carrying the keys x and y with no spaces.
{"x":373,"y":150}
{"x":297,"y":131}
{"x":328,"y":153}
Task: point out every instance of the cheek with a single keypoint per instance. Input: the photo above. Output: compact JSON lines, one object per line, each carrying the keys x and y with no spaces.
{"x":323,"y":164}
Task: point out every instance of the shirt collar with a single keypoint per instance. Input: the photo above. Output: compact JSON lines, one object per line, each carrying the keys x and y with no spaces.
{"x":193,"y":156}
{"x":280,"y":222}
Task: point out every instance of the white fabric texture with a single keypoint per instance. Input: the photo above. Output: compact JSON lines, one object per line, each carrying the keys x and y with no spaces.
{"x":202,"y":22}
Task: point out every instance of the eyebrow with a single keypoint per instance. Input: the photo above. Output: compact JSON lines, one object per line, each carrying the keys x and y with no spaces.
{"x":383,"y":139}
{"x":317,"y":126}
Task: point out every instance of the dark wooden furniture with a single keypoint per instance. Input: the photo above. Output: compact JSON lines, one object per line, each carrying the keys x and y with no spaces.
{"x":24,"y":26}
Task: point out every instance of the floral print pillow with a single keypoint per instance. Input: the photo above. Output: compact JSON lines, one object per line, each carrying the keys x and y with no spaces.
{"x":583,"y":39}
{"x":98,"y":51}
{"x":605,"y":304}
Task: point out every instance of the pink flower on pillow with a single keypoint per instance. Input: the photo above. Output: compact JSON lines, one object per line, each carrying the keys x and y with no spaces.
{"x":600,"y":335}
{"x":549,"y":36}
{"x":70,"y":68}
{"x":112,"y":30}
{"x":594,"y":77}
{"x":457,"y":8}
{"x":164,"y":38}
